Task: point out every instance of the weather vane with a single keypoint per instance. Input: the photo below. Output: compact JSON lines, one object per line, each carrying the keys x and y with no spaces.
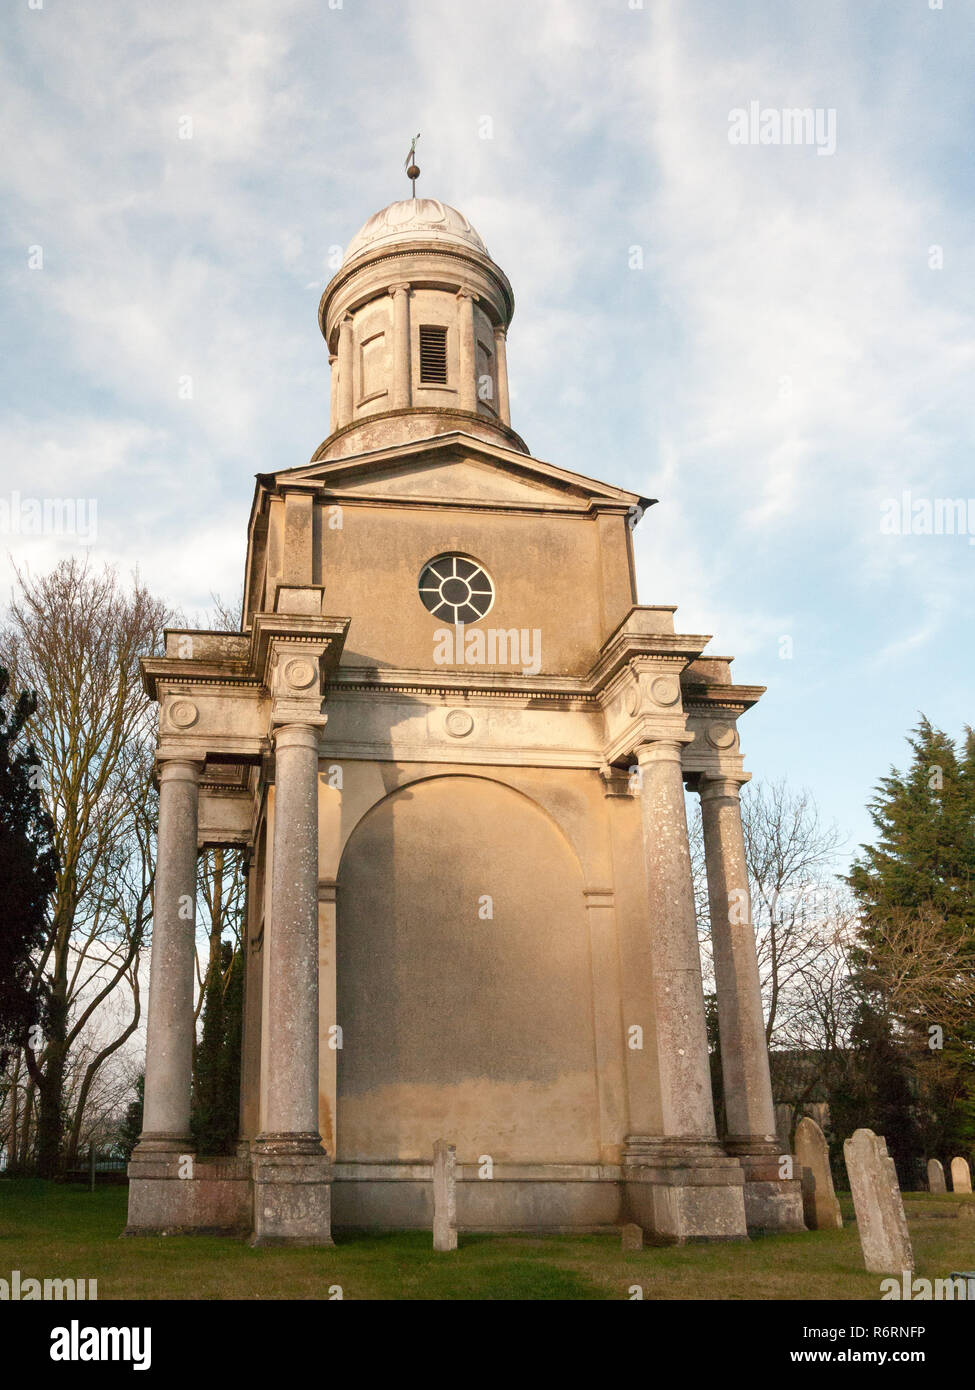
{"x":411,"y":166}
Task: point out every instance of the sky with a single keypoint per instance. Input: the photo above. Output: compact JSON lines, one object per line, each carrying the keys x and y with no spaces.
{"x":773,"y":339}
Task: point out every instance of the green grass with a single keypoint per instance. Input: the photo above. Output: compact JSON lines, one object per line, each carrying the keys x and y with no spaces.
{"x":54,"y":1231}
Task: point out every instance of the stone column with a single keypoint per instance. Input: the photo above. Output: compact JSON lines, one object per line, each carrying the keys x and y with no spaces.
{"x":678,"y":990}
{"x":333,"y":396}
{"x":773,"y":1200}
{"x":744,"y":1053}
{"x":346,"y":398}
{"x":328,"y":1017}
{"x":401,"y":393}
{"x":501,"y":367}
{"x":468,"y":351}
{"x":292,"y":1172}
{"x":680,"y":1183}
{"x":169,"y":1029}
{"x":160,"y":1197}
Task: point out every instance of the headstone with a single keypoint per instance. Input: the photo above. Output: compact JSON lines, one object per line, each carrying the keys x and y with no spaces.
{"x":936,"y":1176}
{"x":632,"y":1237}
{"x":820,"y":1206}
{"x":881,"y":1223}
{"x":444,"y":1196}
{"x":961,"y":1175}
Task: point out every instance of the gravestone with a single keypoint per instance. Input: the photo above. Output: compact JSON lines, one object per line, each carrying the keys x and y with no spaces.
{"x":632,"y":1237}
{"x":881,"y":1223}
{"x":961,"y":1175}
{"x":820,"y":1206}
{"x":444,"y":1196}
{"x":936,"y":1176}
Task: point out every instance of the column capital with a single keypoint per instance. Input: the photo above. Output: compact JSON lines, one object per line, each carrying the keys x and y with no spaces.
{"x":399,"y":287}
{"x":721,"y":786}
{"x":177,"y":767}
{"x":500,"y":332}
{"x":299,"y":733}
{"x":465,"y":292}
{"x":665,"y":749}
{"x":333,"y":357}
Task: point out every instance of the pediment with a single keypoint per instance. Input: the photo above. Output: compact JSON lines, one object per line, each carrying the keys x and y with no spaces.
{"x":451,"y":480}
{"x":457,"y":469}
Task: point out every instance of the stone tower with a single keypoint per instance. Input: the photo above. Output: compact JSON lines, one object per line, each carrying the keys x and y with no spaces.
{"x":456,"y":748}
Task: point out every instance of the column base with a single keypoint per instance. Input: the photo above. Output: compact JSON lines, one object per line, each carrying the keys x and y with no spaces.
{"x":292,"y":1191}
{"x":680,"y":1189}
{"x":172,"y":1192}
{"x":772,"y":1202}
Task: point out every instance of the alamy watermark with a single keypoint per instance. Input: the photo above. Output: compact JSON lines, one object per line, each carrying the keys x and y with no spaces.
{"x":792,"y":125}
{"x":49,"y":516}
{"x":957,"y":1287}
{"x":908,"y":515}
{"x":493,"y":646}
{"x":25,"y":1289}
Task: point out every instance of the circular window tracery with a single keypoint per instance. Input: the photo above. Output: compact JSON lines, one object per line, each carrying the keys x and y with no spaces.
{"x":456,"y":589}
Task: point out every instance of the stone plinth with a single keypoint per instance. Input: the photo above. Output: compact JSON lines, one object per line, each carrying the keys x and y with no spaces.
{"x":681,"y":1190}
{"x":292,"y":1191}
{"x":772,"y":1202}
{"x":183,"y":1195}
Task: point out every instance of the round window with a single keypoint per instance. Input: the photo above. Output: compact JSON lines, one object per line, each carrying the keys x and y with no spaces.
{"x":456,"y":589}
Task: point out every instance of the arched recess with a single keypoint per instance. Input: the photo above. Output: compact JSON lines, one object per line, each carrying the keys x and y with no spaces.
{"x":464,"y":981}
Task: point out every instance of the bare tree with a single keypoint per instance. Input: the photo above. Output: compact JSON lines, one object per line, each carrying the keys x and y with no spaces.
{"x":805,"y":930}
{"x":74,"y":637}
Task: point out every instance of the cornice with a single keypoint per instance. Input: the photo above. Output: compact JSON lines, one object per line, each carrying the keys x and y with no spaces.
{"x":438,"y":412}
{"x":412,"y":247}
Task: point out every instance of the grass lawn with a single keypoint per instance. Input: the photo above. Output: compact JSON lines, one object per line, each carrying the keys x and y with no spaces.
{"x":54,"y":1231}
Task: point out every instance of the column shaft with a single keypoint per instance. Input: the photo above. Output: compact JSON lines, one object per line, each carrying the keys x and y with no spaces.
{"x":501,"y":367}
{"x":346,"y":397}
{"x":468,"y":353}
{"x":744,"y":1054}
{"x":333,"y":397}
{"x":686,"y":1103}
{"x":169,"y":1030}
{"x":401,"y":393}
{"x":292,"y":1016}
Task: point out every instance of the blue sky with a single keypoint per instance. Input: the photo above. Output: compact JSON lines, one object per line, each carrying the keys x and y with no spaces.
{"x":785,"y":360}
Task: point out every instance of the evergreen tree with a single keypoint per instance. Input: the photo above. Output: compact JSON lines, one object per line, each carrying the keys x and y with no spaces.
{"x":876,"y":1091}
{"x":27,"y":871}
{"x":714,"y":1062}
{"x":916,"y":959}
{"x":216,"y":1087}
{"x":131,"y":1126}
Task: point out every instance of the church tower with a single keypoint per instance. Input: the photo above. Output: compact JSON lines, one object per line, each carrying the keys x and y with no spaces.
{"x":415,"y":323}
{"x":455,"y":747}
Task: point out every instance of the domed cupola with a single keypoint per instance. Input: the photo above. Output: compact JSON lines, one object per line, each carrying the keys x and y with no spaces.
{"x":415,"y":322}
{"x":420,"y":217}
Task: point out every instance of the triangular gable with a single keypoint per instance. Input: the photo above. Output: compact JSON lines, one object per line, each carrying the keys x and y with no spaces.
{"x":457,"y":467}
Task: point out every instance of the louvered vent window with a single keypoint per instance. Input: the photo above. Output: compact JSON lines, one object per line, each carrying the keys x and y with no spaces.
{"x":433,"y":354}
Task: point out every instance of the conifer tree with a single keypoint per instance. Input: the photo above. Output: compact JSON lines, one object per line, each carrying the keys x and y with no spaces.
{"x":27,"y":872}
{"x":916,"y":959}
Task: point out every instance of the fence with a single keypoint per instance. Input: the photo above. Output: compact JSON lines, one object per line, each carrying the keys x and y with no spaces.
{"x":97,"y":1168}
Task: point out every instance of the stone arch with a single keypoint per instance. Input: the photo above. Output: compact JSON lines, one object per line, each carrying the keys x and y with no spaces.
{"x":349,"y":830}
{"x":464,"y":980}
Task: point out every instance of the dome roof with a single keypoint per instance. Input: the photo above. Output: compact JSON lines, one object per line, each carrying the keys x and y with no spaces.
{"x":414,"y":219}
